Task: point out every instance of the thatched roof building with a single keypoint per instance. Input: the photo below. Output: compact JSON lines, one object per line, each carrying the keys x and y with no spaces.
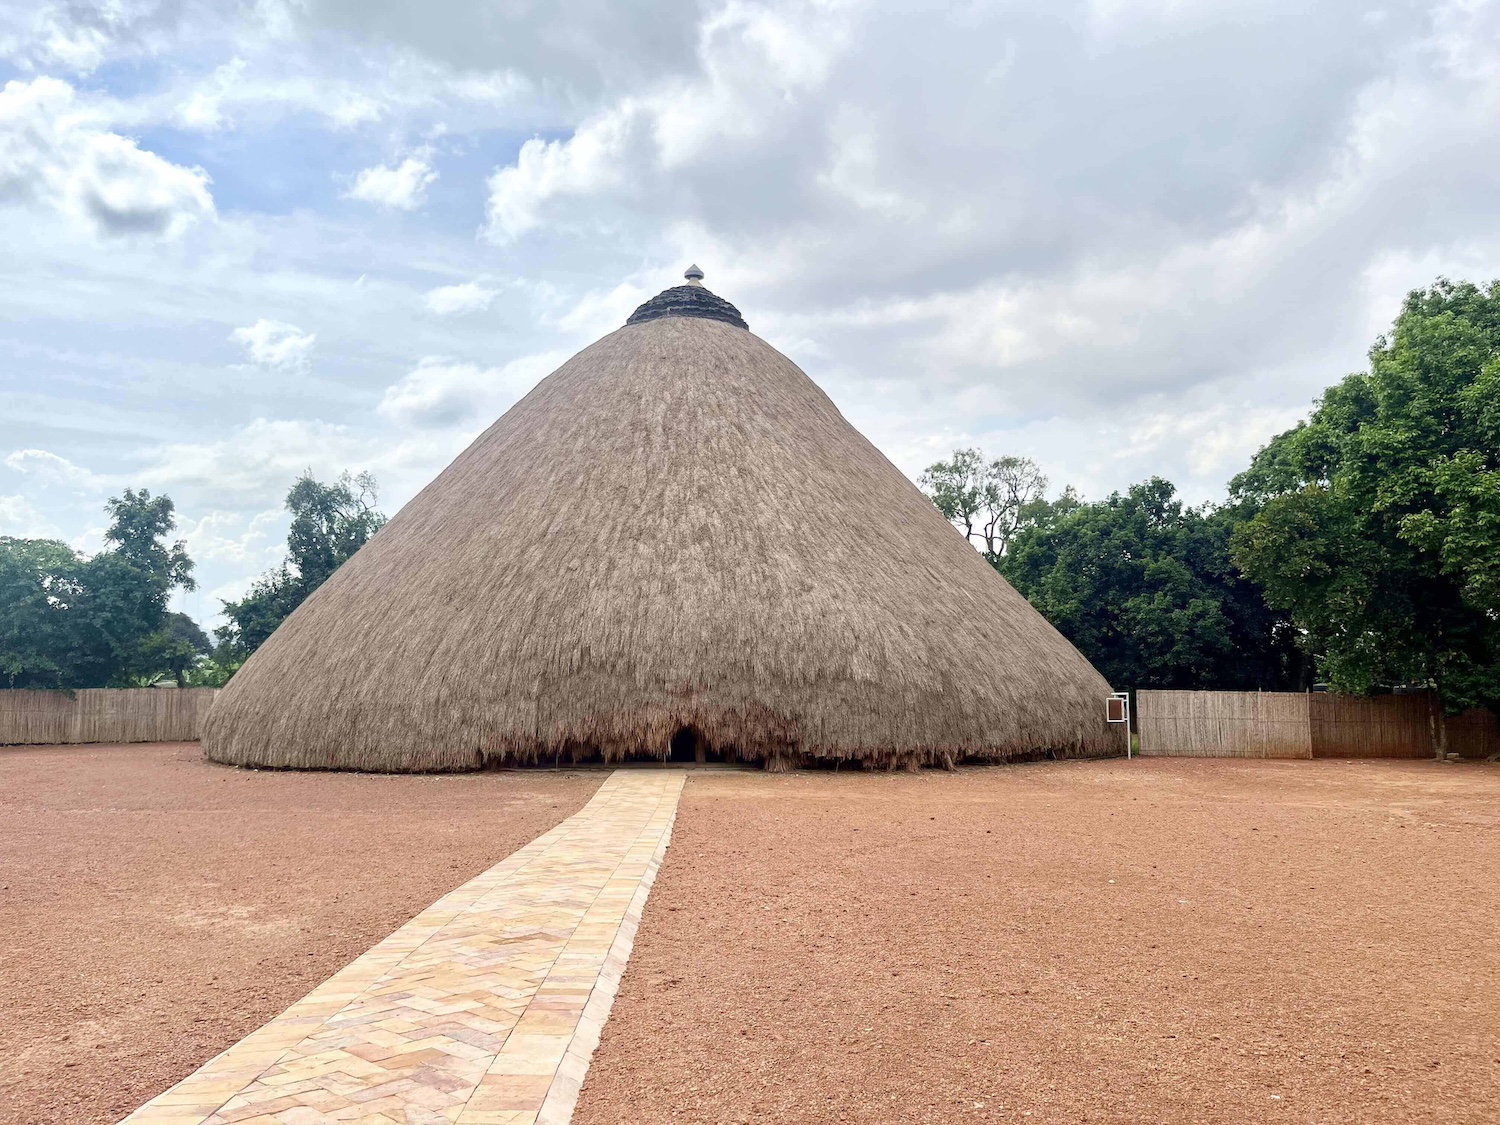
{"x":673,"y":545}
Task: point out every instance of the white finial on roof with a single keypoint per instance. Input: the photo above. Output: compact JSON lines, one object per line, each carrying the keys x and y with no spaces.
{"x":694,"y":275}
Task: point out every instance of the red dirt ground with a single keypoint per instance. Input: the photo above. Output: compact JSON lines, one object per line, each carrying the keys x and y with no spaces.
{"x":155,"y":908}
{"x":1157,"y":940}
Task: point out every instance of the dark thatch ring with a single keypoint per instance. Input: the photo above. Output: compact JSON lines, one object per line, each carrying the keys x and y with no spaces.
{"x":688,"y":300}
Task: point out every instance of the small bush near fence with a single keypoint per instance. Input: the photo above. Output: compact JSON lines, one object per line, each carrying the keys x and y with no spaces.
{"x":41,"y":718}
{"x":1284,"y":724}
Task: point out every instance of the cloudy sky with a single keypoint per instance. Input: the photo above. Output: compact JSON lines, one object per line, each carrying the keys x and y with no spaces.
{"x":243,"y":239}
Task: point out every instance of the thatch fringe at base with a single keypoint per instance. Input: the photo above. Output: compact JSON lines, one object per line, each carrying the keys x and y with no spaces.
{"x":777,"y":749}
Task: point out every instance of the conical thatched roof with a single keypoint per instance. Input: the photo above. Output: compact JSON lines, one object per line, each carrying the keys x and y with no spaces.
{"x":675,"y":529}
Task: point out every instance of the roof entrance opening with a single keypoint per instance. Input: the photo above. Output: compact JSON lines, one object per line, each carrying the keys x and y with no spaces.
{"x":687,"y":746}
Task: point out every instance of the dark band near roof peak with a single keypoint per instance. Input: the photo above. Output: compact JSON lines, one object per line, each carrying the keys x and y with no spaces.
{"x":691,"y":300}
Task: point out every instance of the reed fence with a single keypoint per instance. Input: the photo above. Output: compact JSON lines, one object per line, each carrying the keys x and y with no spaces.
{"x":1224,"y":724}
{"x":41,"y":718}
{"x":1281,"y":724}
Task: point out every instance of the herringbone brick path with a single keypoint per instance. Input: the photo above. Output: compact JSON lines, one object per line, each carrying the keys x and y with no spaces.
{"x":482,"y":1010}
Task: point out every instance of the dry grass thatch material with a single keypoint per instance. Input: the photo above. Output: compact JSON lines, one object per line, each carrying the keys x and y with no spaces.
{"x":675,"y":529}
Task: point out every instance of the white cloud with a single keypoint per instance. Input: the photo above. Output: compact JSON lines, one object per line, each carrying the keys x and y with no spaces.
{"x":589,"y":162}
{"x":203,"y":107}
{"x":257,"y":463}
{"x":596,"y":312}
{"x":759,"y":72}
{"x":74,"y":48}
{"x":56,"y":152}
{"x":451,"y":300}
{"x":271,"y":343}
{"x":271,"y":79}
{"x":89,"y":541}
{"x":1213,"y":442}
{"x":241,"y":479}
{"x":270,"y":85}
{"x":49,"y":468}
{"x":231,"y":537}
{"x":23,"y":520}
{"x":71,"y":37}
{"x":402,"y":188}
{"x":854,"y":172}
{"x":440,"y":393}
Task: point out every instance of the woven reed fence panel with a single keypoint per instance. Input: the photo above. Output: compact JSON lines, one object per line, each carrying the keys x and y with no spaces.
{"x":1284,"y":724}
{"x":1224,"y":724}
{"x":1370,"y":726}
{"x":1475,"y":734}
{"x":42,"y":718}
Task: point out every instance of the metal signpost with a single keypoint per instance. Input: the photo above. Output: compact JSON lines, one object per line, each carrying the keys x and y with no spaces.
{"x":1117,"y":710}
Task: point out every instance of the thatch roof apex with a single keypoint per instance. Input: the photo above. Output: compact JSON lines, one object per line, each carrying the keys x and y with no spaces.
{"x":691,"y":300}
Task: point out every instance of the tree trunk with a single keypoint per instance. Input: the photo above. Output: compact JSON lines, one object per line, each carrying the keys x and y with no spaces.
{"x":1437,"y":725}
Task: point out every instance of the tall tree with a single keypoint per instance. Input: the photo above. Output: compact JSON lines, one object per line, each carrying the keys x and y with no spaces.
{"x":956,"y":487}
{"x":139,"y":525}
{"x":987,"y":500}
{"x":1143,"y":586}
{"x":329,"y":523}
{"x":71,"y":622}
{"x":116,"y":624}
{"x":1377,"y":522}
{"x":1015,"y":487}
{"x":38,"y":580}
{"x":138,"y":624}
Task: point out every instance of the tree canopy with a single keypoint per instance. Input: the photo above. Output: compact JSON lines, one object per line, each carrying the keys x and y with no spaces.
{"x":1377,"y":521}
{"x":67,"y":621}
{"x":990,"y":501}
{"x":39,"y":582}
{"x":329,"y":523}
{"x":1143,"y":586}
{"x":139,"y":525}
{"x":70,"y":621}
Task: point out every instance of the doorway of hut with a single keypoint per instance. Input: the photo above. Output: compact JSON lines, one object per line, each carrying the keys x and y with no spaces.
{"x":689,"y":745}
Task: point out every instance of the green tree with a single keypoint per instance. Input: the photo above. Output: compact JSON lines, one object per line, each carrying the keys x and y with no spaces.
{"x":176,"y":650}
{"x":133,"y":615}
{"x":209,"y":671}
{"x":253,"y":618}
{"x":38,"y":581}
{"x":989,"y":501}
{"x":71,"y":622}
{"x":138,"y":527}
{"x":114,"y":623}
{"x":329,"y":523}
{"x":1143,"y":586}
{"x":1377,"y":521}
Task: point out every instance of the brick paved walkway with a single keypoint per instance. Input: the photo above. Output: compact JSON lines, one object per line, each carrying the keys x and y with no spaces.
{"x":483,"y":1010}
